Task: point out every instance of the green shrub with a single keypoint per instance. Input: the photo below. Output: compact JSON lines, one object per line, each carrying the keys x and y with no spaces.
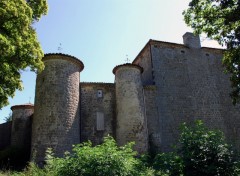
{"x":202,"y":152}
{"x":169,"y":163}
{"x":102,"y":160}
{"x":205,"y":152}
{"x":33,"y":170}
{"x":106,"y":159}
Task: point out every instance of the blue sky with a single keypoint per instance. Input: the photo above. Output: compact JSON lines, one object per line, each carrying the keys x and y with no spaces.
{"x":101,"y":33}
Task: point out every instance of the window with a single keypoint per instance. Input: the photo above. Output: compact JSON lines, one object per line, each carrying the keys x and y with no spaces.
{"x":100,"y":121}
{"x":99,"y":94}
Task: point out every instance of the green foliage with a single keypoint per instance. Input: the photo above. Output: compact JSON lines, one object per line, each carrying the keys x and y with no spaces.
{"x":5,"y":173}
{"x":33,"y":170}
{"x":85,"y":160}
{"x":201,"y":152}
{"x":205,"y":152}
{"x":8,"y":118}
{"x":220,"y":20}
{"x":101,"y":160}
{"x":18,"y":42}
{"x":169,"y":163}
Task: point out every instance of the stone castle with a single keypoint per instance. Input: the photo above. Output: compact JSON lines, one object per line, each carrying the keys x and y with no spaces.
{"x":165,"y":85}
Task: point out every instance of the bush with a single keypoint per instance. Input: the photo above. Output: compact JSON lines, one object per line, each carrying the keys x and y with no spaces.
{"x":205,"y":152}
{"x":85,"y":160}
{"x":169,"y":163}
{"x":201,"y":152}
{"x":102,"y":160}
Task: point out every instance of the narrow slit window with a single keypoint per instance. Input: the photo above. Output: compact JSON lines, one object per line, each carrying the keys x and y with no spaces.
{"x":100,"y":121}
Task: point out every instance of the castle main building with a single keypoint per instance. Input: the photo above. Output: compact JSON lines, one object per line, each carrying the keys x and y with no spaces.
{"x":165,"y":85}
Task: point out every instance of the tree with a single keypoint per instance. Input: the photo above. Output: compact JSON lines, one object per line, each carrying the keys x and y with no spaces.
{"x":8,"y":118}
{"x":201,"y":152}
{"x":19,"y":47}
{"x":220,"y":20}
{"x":205,"y":152}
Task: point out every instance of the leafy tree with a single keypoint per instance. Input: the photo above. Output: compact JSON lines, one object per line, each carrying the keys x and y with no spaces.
{"x":205,"y":152}
{"x":220,"y":20}
{"x":18,"y":42}
{"x":201,"y":152}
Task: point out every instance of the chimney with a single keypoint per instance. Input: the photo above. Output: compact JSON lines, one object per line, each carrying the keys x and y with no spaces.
{"x":192,"y":41}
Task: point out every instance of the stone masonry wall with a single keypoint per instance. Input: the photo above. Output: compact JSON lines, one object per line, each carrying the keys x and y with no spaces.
{"x":145,"y":62}
{"x":5,"y":135}
{"x":91,"y":104}
{"x":153,"y":123}
{"x":22,"y":126}
{"x":191,"y":85}
{"x":130,"y":111}
{"x":56,"y":117}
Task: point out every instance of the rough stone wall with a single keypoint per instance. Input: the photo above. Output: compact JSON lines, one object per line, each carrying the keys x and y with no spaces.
{"x":191,"y":85}
{"x":145,"y":62}
{"x":91,"y":104}
{"x":21,"y":126}
{"x":56,"y":117}
{"x":130,"y":112}
{"x":153,"y":123}
{"x":5,"y":135}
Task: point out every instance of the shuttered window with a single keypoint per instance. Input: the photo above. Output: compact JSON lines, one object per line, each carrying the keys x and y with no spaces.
{"x":100,"y":121}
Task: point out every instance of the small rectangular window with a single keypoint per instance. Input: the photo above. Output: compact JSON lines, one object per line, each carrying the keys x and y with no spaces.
{"x":100,"y":121}
{"x":99,"y":94}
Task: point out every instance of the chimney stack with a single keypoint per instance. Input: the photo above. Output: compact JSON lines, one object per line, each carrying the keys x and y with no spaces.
{"x":192,"y":41}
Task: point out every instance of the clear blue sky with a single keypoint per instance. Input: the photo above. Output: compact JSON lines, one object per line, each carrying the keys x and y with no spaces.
{"x":101,"y":33}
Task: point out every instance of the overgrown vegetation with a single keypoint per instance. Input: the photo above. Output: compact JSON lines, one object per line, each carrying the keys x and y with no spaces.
{"x":200,"y":152}
{"x":105,"y":159}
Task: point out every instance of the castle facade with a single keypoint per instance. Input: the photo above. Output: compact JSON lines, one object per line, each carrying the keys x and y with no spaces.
{"x":165,"y":85}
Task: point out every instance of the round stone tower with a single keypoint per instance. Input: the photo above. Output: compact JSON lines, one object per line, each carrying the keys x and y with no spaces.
{"x":57,"y":103}
{"x":131,"y":118}
{"x":21,"y":125}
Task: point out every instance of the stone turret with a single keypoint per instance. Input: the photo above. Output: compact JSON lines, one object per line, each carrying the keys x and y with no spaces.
{"x":131,"y":117}
{"x":56,"y":117}
{"x":21,"y":125}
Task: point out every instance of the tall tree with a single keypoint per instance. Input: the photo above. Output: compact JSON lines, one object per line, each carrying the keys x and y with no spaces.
{"x":220,"y":20}
{"x":19,"y":46}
